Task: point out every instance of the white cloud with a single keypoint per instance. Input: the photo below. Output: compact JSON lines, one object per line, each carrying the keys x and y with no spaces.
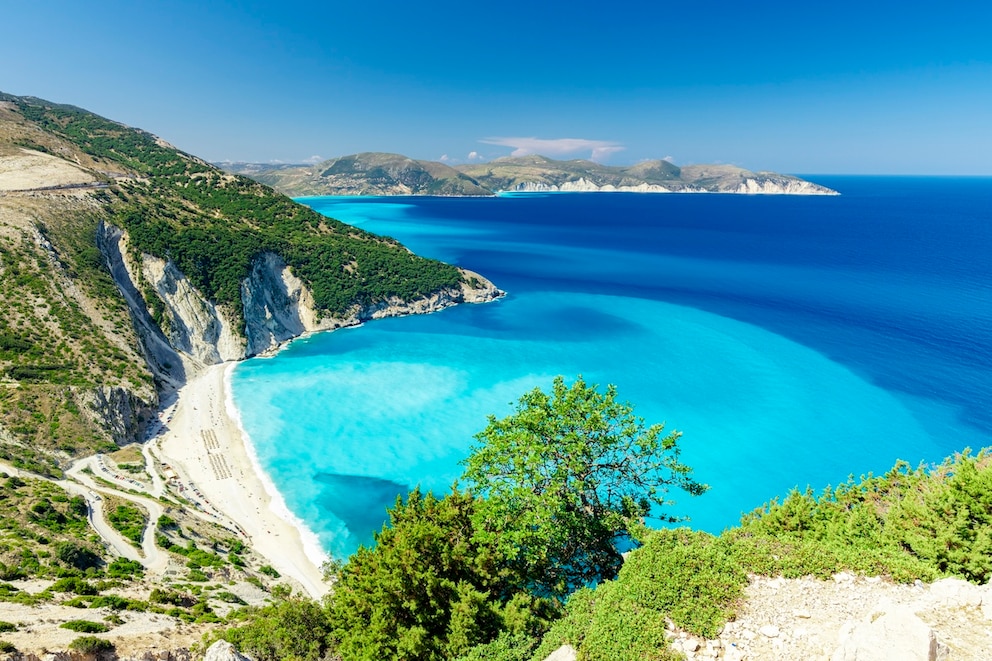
{"x":474,"y":156}
{"x":670,"y":159}
{"x":313,"y":159}
{"x":598,"y":149}
{"x":444,"y":158}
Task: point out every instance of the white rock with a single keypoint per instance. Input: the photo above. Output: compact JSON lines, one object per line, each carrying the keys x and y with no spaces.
{"x":802,"y":613}
{"x":957,"y":592}
{"x":898,"y":635}
{"x":563,"y":653}
{"x":690,"y":645}
{"x":223,"y":651}
{"x":733,"y":653}
{"x":769,"y":631}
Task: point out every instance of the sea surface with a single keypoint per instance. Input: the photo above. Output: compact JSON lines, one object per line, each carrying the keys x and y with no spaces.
{"x":793,"y":340}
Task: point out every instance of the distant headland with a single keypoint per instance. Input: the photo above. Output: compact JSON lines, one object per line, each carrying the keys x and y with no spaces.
{"x":377,"y":173}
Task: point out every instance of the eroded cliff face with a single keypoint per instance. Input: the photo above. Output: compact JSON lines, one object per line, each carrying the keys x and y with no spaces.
{"x":277,"y":307}
{"x":783,"y":187}
{"x":195,"y":327}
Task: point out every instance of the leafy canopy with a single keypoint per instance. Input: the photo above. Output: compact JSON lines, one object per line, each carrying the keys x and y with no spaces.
{"x":565,"y":477}
{"x":427,"y":589}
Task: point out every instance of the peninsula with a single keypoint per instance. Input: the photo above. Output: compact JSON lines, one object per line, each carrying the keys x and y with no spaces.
{"x":374,"y":173}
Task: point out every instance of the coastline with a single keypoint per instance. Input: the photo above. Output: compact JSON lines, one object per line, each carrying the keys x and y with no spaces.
{"x":203,"y":434}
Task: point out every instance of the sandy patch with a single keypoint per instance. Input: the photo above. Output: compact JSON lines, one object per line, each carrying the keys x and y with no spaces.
{"x":33,"y":169}
{"x":205,"y":446}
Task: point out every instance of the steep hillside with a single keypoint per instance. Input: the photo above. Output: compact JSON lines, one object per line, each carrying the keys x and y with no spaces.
{"x":391,"y":174}
{"x":129,"y":265}
{"x":370,"y":174}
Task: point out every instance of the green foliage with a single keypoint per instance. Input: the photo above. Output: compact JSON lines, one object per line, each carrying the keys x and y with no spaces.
{"x":129,"y":520}
{"x":909,"y":523}
{"x":692,"y":577}
{"x":428,"y":589}
{"x":7,"y":647}
{"x":7,"y":627}
{"x":268,"y":571}
{"x":295,"y":629}
{"x":85,"y":626}
{"x":75,"y":555}
{"x":507,"y":647}
{"x":565,"y":477}
{"x":91,"y":645}
{"x":74,"y":585}
{"x":124,"y":568}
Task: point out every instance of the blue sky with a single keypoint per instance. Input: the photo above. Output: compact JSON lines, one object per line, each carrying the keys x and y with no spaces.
{"x":841,"y":87}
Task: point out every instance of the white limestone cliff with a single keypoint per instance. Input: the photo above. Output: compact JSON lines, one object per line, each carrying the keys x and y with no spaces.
{"x":277,"y":307}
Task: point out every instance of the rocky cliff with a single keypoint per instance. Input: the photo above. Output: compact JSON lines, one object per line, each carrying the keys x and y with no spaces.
{"x":277,"y":306}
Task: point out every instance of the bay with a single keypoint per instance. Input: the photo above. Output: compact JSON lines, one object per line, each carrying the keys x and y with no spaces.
{"x":793,"y":340}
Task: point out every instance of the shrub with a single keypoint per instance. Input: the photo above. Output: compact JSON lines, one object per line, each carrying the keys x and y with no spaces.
{"x":77,"y":556}
{"x":91,"y":645}
{"x":689,"y":576}
{"x":74,"y":585}
{"x":84,"y":626}
{"x":6,"y":627}
{"x":124,"y":568}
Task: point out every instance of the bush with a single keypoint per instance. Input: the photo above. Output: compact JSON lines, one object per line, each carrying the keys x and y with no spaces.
{"x":77,"y":556}
{"x":84,"y":626}
{"x":124,"y":568}
{"x":688,"y":576}
{"x":6,"y":627}
{"x":7,"y":647}
{"x":91,"y":645}
{"x":297,"y":629}
{"x":74,"y":585}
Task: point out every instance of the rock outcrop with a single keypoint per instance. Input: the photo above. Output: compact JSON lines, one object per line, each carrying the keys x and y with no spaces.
{"x":851,"y":618}
{"x":223,"y":651}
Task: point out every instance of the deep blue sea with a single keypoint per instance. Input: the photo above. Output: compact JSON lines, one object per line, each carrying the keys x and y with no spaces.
{"x":793,"y":340}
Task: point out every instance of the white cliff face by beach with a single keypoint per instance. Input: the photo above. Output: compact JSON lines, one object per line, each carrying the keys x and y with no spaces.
{"x":277,"y":307}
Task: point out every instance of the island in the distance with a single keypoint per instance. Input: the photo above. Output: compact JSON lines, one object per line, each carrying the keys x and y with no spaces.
{"x":376,"y":173}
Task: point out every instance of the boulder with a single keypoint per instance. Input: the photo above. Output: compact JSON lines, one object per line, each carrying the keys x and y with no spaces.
{"x":897,"y":635}
{"x":223,"y":651}
{"x":563,"y":653}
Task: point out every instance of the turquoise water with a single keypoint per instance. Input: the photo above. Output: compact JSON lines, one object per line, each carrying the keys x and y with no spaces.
{"x":786,"y":352}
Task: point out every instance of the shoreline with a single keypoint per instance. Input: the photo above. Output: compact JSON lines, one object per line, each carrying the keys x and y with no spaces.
{"x":203,"y":443}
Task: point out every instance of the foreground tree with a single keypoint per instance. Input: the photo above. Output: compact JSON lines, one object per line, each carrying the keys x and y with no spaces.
{"x":565,"y":478}
{"x":427,"y":589}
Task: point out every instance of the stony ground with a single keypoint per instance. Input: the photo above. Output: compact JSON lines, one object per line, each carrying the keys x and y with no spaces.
{"x":854,"y":618}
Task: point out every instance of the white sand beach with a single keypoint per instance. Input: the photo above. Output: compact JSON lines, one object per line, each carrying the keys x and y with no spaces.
{"x":205,"y":446}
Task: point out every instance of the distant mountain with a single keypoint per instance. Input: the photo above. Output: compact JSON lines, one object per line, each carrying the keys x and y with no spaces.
{"x":370,"y":173}
{"x":374,"y":173}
